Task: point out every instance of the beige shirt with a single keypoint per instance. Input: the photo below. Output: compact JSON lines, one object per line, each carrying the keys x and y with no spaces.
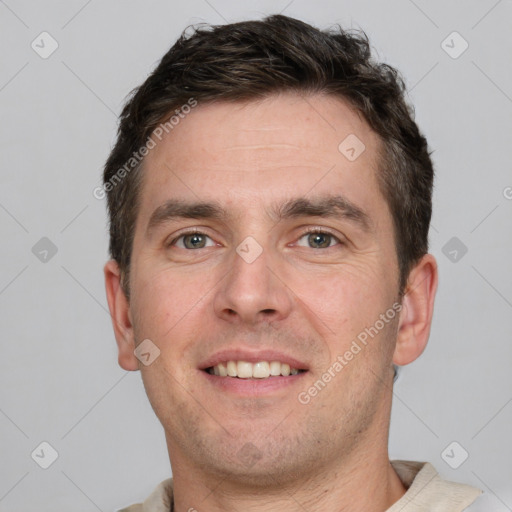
{"x":426,"y":492}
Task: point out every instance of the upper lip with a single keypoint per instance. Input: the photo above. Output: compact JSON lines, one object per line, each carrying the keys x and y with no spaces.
{"x":251,"y":356}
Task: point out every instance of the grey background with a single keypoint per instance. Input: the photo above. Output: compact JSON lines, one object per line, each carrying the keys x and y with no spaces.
{"x":60,"y":381}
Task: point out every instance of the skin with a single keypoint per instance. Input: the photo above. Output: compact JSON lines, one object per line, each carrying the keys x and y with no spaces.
{"x":309,"y":302}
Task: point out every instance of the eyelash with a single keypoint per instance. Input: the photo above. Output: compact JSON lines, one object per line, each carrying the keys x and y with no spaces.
{"x":309,"y":231}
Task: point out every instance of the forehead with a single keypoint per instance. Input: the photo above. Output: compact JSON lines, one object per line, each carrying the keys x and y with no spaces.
{"x":262,"y":152}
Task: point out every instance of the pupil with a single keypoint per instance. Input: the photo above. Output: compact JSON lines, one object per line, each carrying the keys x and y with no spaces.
{"x":319,"y":240}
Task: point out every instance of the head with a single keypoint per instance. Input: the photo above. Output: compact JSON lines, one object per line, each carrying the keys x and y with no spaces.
{"x":250,"y":135}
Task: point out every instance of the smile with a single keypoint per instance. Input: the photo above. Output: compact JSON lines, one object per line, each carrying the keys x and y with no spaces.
{"x":258,"y":370}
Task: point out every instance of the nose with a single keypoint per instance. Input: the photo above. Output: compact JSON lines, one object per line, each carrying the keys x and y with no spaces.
{"x":253,"y":291}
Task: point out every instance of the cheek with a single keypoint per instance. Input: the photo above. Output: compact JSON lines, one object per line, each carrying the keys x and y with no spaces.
{"x":168,"y":310}
{"x":343,"y":301}
{"x":166,"y":304}
{"x":352,"y":284}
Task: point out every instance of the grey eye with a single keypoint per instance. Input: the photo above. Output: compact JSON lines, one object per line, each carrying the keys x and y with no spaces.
{"x":193,"y":241}
{"x":318,"y":240}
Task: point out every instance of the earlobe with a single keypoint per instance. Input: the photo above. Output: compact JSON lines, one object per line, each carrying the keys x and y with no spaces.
{"x":121,"y":318}
{"x":417,"y":310}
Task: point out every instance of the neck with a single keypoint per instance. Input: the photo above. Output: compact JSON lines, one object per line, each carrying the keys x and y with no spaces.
{"x":365,"y":481}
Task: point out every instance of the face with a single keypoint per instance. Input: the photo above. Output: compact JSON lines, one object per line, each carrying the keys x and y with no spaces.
{"x":258,"y":240}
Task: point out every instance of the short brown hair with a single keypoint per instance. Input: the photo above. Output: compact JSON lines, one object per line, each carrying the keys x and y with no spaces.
{"x":252,"y":60}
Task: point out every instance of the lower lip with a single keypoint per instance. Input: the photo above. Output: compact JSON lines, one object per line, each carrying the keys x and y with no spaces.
{"x":252,"y":387}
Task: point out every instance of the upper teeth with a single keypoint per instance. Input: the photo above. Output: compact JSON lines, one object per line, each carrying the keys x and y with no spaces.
{"x":259,"y":370}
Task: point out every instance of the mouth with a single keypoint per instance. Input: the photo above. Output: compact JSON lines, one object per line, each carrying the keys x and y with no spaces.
{"x":242,"y":372}
{"x":259,"y":370}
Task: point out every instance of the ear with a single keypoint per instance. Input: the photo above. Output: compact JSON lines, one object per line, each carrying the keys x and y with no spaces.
{"x":121,"y":317}
{"x":417,"y":310}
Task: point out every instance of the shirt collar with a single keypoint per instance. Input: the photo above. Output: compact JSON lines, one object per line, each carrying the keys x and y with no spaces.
{"x":426,"y":491}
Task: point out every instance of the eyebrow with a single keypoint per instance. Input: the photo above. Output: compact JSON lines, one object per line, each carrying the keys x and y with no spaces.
{"x":174,"y":209}
{"x":325,"y":206}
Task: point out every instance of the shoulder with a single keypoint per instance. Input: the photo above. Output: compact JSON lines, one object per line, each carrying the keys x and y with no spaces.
{"x":159,"y":500}
{"x":426,"y":489}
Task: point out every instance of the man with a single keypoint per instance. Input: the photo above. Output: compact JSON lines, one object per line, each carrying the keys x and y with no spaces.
{"x":270,"y":199}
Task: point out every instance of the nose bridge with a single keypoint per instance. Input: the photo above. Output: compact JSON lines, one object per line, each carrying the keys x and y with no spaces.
{"x":251,"y":291}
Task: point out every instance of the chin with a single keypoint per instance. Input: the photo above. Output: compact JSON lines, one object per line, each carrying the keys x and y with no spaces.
{"x":259,"y":463}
